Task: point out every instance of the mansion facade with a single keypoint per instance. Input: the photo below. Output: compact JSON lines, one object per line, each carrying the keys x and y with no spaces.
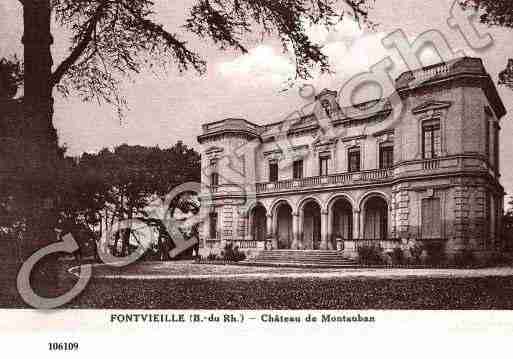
{"x":422,"y":167}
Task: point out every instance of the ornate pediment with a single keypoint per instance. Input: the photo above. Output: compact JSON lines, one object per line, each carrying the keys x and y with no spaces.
{"x":324,"y":144}
{"x":214,"y":150}
{"x":292,"y":152}
{"x":431,"y":106}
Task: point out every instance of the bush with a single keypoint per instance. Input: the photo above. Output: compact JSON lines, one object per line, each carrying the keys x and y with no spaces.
{"x":398,"y":256}
{"x":416,"y":253}
{"x":232,"y":254}
{"x":369,"y":254}
{"x":464,"y":258}
{"x":498,"y":259}
{"x":435,"y":252}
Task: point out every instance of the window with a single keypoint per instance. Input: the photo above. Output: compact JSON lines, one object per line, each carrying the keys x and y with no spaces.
{"x":431,"y":218}
{"x":273,"y":172}
{"x":354,"y":159}
{"x":214,"y":179}
{"x":297,"y":172}
{"x":431,"y":142}
{"x":386,"y":156}
{"x":214,"y":175}
{"x":213,"y":225}
{"x":326,"y":105}
{"x":323,"y":165}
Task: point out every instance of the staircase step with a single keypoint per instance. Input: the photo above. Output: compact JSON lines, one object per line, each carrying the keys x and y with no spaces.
{"x":302,"y":258}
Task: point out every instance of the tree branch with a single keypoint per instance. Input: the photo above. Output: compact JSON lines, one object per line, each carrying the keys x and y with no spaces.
{"x":77,"y":52}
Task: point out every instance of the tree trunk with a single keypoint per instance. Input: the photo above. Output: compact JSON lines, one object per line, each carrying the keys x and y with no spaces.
{"x":39,"y":175}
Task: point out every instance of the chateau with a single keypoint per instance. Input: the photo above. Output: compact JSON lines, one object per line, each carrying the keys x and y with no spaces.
{"x":420,"y":166}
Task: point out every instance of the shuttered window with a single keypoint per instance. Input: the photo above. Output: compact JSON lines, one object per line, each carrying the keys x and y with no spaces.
{"x":323,"y":165}
{"x":273,"y":172}
{"x":354,"y":159}
{"x":431,"y":218}
{"x":386,"y":156}
{"x":431,"y":139}
{"x":297,"y":169}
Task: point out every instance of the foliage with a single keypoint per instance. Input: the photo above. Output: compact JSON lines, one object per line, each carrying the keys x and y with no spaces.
{"x":111,"y":40}
{"x":370,"y":254}
{"x":11,"y":76}
{"x":416,"y":253}
{"x":435,"y":252}
{"x":232,"y":253}
{"x":498,"y":259}
{"x":464,"y":259}
{"x":496,"y":13}
{"x":398,"y":256}
{"x":96,"y":190}
{"x":507,"y":221}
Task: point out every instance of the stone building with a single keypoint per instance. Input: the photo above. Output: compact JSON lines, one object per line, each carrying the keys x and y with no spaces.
{"x":422,"y":165}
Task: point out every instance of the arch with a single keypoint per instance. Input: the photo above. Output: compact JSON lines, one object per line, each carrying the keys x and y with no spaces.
{"x":375,"y":217}
{"x":258,"y":222}
{"x":337,"y":196}
{"x":363,"y":199}
{"x":278,"y":202}
{"x":310,"y":219}
{"x":340,"y":219}
{"x":305,"y":201}
{"x":282,"y":225}
{"x":253,"y":205}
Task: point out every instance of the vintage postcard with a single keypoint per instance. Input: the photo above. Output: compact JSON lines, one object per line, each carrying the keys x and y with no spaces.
{"x":321,"y":173}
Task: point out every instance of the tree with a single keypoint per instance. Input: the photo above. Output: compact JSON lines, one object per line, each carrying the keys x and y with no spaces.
{"x":112,"y":39}
{"x":104,"y":188}
{"x":496,"y":13}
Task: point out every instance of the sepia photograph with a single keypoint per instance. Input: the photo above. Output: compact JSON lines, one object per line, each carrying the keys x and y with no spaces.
{"x":257,"y":157}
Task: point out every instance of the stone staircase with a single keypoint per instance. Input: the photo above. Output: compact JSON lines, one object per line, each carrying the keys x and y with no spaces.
{"x":302,"y":258}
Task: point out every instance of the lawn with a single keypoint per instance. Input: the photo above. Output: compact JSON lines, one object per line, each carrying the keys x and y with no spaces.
{"x":259,"y":292}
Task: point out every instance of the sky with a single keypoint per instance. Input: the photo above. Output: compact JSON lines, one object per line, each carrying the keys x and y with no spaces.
{"x":169,"y":107}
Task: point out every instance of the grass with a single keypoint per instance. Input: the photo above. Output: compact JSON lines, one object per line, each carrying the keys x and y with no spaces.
{"x":282,"y":293}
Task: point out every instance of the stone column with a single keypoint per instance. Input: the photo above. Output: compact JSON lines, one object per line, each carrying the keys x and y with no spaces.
{"x":324,"y":230}
{"x":295,"y":231}
{"x":356,"y":225}
{"x":249,"y":227}
{"x":271,"y":235}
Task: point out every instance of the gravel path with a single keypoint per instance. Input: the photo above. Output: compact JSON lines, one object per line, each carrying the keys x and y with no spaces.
{"x":183,"y":270}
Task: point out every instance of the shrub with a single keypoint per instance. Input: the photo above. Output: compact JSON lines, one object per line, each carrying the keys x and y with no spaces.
{"x":398,"y":256}
{"x":369,"y":254}
{"x":232,"y":254}
{"x":498,"y":259}
{"x":435,"y":252}
{"x":464,"y":258}
{"x":416,"y":253}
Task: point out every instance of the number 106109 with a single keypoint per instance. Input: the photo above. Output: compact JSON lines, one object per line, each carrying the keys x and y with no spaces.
{"x":62,"y":346}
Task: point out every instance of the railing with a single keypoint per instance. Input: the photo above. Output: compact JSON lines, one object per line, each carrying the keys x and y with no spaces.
{"x":431,"y":72}
{"x":245,"y":244}
{"x":431,"y":164}
{"x":318,"y":181}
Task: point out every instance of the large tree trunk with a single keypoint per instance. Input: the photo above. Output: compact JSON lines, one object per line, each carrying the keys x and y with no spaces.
{"x":39,"y":175}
